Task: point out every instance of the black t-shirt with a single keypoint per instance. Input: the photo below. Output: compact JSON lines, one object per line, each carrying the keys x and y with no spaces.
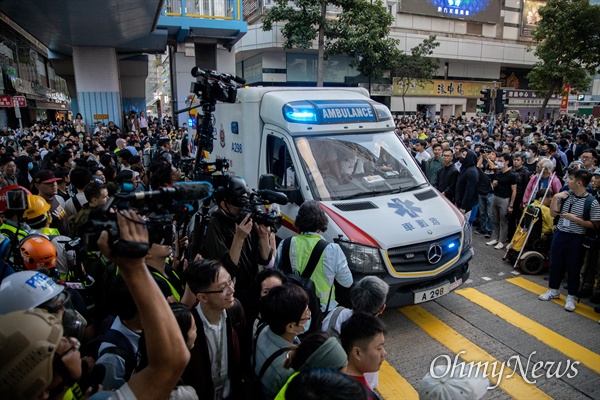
{"x":531,"y":167}
{"x":505,"y":181}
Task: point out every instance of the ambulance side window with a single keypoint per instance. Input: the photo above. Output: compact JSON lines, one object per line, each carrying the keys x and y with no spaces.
{"x":279,"y":163}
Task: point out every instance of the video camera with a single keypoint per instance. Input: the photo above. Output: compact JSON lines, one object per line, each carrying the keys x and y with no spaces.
{"x":211,"y":87}
{"x":157,"y":208}
{"x":252,"y":205}
{"x":215,"y":86}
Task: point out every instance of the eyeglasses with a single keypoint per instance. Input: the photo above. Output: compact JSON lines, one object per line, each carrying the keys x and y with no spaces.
{"x":228,"y":288}
{"x":307,"y":318}
{"x":74,"y":347}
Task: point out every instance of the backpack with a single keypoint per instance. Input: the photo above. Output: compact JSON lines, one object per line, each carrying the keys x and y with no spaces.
{"x":333,"y":321}
{"x":254,"y":389}
{"x":122,"y":348}
{"x":304,"y":281}
{"x":592,"y":238}
{"x":560,"y":167}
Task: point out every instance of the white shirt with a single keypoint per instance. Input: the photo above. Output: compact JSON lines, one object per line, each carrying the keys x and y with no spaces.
{"x":214,"y":333}
{"x":422,"y":156}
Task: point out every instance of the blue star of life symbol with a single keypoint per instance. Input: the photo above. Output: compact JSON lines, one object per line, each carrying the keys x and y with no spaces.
{"x":406,"y":207}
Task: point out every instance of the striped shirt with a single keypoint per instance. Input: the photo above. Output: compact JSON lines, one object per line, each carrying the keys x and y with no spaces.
{"x":575,"y":206}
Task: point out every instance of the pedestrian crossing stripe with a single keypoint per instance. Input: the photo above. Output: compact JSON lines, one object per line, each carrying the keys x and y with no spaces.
{"x":511,"y":382}
{"x":566,"y":346}
{"x":526,"y":284}
{"x":392,"y":385}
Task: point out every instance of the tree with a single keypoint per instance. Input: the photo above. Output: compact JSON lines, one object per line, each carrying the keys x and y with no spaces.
{"x":360,"y":31}
{"x":568,"y":47}
{"x":417,"y":68}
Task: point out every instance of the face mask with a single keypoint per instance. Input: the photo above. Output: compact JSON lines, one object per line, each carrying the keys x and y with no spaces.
{"x":80,"y":136}
{"x":527,"y":154}
{"x":500,"y":164}
{"x":306,"y":326}
{"x":29,"y":166}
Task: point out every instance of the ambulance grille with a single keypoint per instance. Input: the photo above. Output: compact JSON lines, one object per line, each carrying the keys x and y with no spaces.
{"x":413,"y":258}
{"x":363,"y":205}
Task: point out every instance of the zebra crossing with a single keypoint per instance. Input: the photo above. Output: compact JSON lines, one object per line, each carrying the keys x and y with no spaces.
{"x":528,"y":349}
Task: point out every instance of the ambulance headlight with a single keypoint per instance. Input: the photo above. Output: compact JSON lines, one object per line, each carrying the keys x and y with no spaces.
{"x":467,"y":236}
{"x":361,"y":258}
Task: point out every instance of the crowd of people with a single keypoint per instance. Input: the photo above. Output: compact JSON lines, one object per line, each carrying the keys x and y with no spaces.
{"x":137,"y":313}
{"x":494,"y":171}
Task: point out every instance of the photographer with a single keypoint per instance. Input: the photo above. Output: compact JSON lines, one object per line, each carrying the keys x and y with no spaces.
{"x":240,"y":246}
{"x":160,"y":327}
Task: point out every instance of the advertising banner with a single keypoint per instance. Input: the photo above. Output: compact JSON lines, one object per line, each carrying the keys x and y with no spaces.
{"x":471,"y":10}
{"x":530,"y":16}
{"x":564,"y":104}
{"x":442,"y":87}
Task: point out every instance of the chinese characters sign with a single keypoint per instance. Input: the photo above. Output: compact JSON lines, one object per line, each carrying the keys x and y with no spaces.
{"x":441,"y":87}
{"x":6,"y":101}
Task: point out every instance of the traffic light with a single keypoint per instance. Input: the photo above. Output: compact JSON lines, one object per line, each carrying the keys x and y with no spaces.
{"x":501,"y":101}
{"x":486,"y":100}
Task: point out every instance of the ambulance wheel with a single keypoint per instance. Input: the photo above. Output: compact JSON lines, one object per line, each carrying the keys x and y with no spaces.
{"x":532,"y":263}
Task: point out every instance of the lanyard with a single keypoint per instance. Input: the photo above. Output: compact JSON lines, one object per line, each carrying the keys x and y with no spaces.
{"x":219,"y":345}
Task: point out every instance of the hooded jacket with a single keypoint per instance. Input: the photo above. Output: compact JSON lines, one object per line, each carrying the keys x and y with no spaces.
{"x":466,"y":184}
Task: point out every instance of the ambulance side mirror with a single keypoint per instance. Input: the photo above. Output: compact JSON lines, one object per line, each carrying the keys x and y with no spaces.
{"x":267,"y":181}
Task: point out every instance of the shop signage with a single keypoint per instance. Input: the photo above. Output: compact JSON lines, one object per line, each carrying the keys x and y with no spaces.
{"x":20,"y":101}
{"x":528,"y":98}
{"x":442,"y":87}
{"x":6,"y":101}
{"x":100,"y":116}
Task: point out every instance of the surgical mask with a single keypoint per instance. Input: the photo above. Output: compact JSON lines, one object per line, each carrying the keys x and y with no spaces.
{"x":306,"y":325}
{"x":527,"y":154}
{"x":80,"y":136}
{"x":29,"y":166}
{"x":500,"y":164}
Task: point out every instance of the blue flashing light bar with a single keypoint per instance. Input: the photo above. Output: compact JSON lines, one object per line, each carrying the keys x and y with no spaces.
{"x":451,"y":245}
{"x":329,"y":112}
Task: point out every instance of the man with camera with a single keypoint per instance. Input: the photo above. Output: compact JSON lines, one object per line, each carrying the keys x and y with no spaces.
{"x":240,"y":245}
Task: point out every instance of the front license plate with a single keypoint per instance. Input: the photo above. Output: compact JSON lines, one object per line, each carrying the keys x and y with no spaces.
{"x":432,"y":293}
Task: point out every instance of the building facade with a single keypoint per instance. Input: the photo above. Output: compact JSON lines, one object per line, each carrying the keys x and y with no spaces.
{"x":482,"y":44}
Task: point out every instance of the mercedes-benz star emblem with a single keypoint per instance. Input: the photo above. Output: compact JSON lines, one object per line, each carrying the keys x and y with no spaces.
{"x":434,"y":253}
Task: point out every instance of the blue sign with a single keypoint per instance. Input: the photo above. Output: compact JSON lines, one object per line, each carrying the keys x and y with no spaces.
{"x":406,"y":207}
{"x":340,"y":111}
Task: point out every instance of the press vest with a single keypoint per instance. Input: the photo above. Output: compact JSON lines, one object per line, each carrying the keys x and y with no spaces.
{"x":174,"y":291}
{"x":300,"y":251}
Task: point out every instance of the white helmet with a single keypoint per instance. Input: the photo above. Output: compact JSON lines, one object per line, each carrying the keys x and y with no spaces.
{"x":26,"y":289}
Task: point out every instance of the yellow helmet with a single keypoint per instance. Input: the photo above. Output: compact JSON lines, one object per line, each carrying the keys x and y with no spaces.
{"x":37,"y":209}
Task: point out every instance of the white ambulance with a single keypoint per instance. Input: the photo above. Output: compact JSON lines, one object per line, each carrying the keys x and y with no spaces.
{"x":337,"y":146}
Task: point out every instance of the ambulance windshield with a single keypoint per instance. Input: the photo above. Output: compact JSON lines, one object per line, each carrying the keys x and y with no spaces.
{"x":341,"y":167}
